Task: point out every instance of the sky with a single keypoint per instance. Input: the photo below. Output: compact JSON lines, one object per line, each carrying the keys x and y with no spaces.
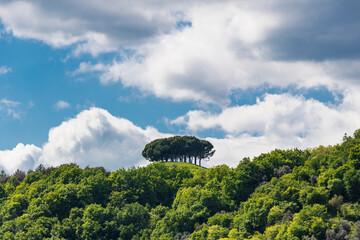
{"x":93,"y":81}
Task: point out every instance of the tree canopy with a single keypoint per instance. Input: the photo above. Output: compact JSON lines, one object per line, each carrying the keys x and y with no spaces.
{"x":178,"y":149}
{"x":285,"y":194}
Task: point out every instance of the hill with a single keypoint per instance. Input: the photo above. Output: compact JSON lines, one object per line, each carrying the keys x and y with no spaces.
{"x":192,"y":167}
{"x":285,"y":194}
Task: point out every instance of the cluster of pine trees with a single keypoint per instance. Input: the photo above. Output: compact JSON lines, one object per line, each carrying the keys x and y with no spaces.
{"x":285,"y":194}
{"x":178,"y":149}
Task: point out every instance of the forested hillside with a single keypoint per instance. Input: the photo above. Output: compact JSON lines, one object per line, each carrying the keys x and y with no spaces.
{"x":285,"y":194}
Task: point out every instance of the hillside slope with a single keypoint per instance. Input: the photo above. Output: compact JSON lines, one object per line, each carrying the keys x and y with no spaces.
{"x":284,"y":194}
{"x":192,"y":167}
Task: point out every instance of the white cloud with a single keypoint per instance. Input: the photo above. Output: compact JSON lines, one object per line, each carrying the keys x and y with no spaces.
{"x":231,"y":151}
{"x":197,"y":63}
{"x":9,"y":103}
{"x":9,"y":108}
{"x":230,"y":44}
{"x":96,"y":26}
{"x":4,"y":70}
{"x":278,"y":121}
{"x":86,"y":67}
{"x":21,"y":157}
{"x":94,"y":137}
{"x":224,"y":50}
{"x":61,"y":105}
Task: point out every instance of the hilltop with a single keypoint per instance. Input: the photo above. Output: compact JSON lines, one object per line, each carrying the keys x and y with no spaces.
{"x":190,"y":166}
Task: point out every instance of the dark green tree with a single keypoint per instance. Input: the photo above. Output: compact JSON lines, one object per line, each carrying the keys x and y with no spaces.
{"x":178,"y":149}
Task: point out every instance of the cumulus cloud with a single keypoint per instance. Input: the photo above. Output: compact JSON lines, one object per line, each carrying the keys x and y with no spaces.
{"x":278,"y":121}
{"x":189,"y":64}
{"x":231,"y":151}
{"x":212,"y":79}
{"x":229,"y":46}
{"x":308,"y":29}
{"x":4,"y":70}
{"x":94,"y":137}
{"x":20,"y":157}
{"x":61,"y":105}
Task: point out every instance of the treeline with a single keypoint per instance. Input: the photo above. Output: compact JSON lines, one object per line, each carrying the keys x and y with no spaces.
{"x":285,"y":194}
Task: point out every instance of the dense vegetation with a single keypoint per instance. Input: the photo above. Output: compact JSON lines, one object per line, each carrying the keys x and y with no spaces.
{"x":178,"y":149}
{"x":285,"y":194}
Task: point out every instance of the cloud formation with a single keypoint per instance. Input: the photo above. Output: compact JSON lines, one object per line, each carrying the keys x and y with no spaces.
{"x":4,"y":70}
{"x":225,"y":46}
{"x":233,"y":46}
{"x":229,"y":45}
{"x":307,"y":29}
{"x":94,"y":137}
{"x":95,"y":26}
{"x":61,"y":105}
{"x":9,"y":109}
{"x":20,"y":157}
{"x":316,"y":30}
{"x":277,"y":121}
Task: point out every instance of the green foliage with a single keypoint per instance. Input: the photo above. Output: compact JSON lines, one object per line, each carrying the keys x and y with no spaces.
{"x":222,"y":219}
{"x":352,"y":183}
{"x":312,"y":195}
{"x":178,"y":148}
{"x":132,"y":218}
{"x":336,"y":186}
{"x":284,"y":194}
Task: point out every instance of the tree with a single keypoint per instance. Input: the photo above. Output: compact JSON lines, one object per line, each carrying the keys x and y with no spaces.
{"x":178,"y":148}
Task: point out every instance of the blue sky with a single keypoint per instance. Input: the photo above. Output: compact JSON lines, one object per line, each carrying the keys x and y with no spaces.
{"x":39,"y":79}
{"x":93,"y":81}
